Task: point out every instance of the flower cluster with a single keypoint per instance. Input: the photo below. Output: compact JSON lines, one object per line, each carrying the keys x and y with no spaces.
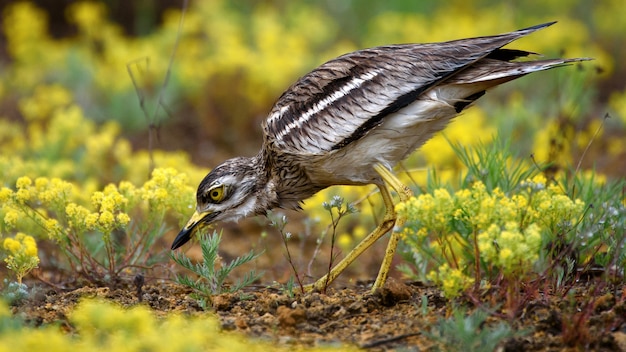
{"x":103,"y":325}
{"x":56,"y":209}
{"x":451,"y":281}
{"x":502,"y":232}
{"x":168,"y":189}
{"x":21,"y":254}
{"x":110,"y":213}
{"x":512,"y":250}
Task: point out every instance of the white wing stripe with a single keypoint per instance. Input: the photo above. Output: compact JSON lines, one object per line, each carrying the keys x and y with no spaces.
{"x":354,"y":83}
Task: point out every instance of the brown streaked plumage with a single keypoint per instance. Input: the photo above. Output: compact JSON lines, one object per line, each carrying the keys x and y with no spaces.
{"x":349,"y":121}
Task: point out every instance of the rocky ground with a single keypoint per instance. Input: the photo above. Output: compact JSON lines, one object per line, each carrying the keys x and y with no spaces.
{"x":402,"y":316}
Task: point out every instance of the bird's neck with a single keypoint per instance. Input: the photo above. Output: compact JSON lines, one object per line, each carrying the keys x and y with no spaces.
{"x":286,"y":182}
{"x":265,"y":188}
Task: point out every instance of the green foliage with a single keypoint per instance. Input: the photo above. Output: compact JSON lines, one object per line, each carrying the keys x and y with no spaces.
{"x":14,"y":292}
{"x":289,"y":287}
{"x":470,"y":333}
{"x":212,"y":279}
{"x":494,"y":165}
{"x":600,"y":239}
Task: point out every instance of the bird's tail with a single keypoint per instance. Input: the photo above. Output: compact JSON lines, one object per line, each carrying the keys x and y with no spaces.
{"x":496,"y":71}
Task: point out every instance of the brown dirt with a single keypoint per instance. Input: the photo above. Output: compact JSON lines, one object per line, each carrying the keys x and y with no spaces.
{"x":390,"y":319}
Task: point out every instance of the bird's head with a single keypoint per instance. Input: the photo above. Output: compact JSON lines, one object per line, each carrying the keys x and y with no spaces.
{"x":232,"y":190}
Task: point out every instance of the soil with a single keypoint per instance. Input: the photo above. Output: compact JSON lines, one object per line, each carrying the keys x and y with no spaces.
{"x":401,"y":316}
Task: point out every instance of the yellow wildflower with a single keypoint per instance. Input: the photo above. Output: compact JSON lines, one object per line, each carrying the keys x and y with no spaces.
{"x":22,"y":254}
{"x":23,"y":195}
{"x":10,"y":218}
{"x":344,"y":241}
{"x":123,"y":219}
{"x":91,"y":220}
{"x":11,"y":245}
{"x":53,"y":228}
{"x":5,"y":194}
{"x":505,"y":254}
{"x":41,"y":183}
{"x":96,"y":199}
{"x":30,"y":246}
{"x":359,"y":232}
{"x":23,"y":182}
{"x":106,"y":219}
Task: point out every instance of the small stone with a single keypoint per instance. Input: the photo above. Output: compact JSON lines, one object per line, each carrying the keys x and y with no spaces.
{"x":393,"y":292}
{"x":290,"y":317}
{"x":267,"y":319}
{"x":221,"y":302}
{"x":228,"y":324}
{"x":241,"y":323}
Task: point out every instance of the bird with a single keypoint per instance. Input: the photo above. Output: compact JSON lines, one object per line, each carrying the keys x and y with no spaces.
{"x":350,"y":121}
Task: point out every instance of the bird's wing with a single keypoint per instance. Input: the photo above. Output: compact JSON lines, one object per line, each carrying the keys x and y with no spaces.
{"x":343,"y":99}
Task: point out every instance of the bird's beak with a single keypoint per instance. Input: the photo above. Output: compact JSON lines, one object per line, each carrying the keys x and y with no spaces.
{"x":185,"y":234}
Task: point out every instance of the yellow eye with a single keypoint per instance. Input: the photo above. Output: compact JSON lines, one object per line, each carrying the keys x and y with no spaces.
{"x":217,"y":194}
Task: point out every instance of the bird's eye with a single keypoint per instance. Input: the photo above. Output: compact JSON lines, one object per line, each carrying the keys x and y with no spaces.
{"x":216,"y":194}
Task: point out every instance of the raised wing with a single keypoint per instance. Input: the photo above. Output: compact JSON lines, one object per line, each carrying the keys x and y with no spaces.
{"x":343,"y":99}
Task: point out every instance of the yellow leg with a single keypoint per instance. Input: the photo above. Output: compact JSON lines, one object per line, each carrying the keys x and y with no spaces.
{"x":404,"y":193}
{"x":388,"y":222}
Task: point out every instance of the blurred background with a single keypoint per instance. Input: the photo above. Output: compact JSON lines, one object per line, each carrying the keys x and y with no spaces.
{"x":108,"y":61}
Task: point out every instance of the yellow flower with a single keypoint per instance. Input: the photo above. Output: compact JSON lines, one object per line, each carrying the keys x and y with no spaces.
{"x":5,"y":195}
{"x":78,"y":216}
{"x":123,"y":219}
{"x":11,"y":245}
{"x":108,"y":204}
{"x":23,"y":195}
{"x":22,"y":256}
{"x":10,"y":218}
{"x":96,"y":199}
{"x":359,"y":232}
{"x":53,"y":228}
{"x":30,"y":246}
{"x":344,"y":241}
{"x":127,"y":189}
{"x":23,"y":182}
{"x":452,"y":281}
{"x":505,"y":254}
{"x":539,"y":179}
{"x":91,"y":220}
{"x":106,"y":219}
{"x":41,"y":183}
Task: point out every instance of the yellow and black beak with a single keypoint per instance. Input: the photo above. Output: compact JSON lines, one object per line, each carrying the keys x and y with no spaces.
{"x":196,"y":219}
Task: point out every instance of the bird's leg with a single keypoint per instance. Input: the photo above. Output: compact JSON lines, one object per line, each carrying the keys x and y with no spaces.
{"x":404,"y":193}
{"x":385,"y":225}
{"x":388,"y":222}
